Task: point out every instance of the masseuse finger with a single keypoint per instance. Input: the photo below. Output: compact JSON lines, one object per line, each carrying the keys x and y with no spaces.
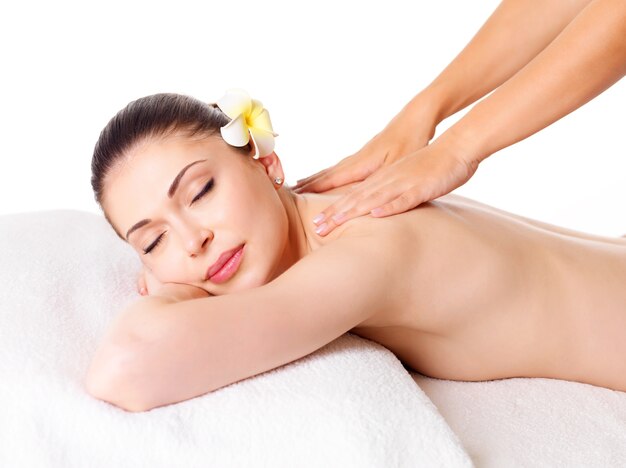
{"x":306,"y":180}
{"x":365,"y":190}
{"x":348,"y":170}
{"x":328,"y":181}
{"x":357,"y":203}
{"x":404,"y":202}
{"x":324,"y":172}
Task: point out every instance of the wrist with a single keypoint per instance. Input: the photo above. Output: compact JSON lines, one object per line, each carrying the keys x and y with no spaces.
{"x":158,"y":299}
{"x":439,"y":100}
{"x":179,"y":292}
{"x":425,"y":107}
{"x":463,"y":143}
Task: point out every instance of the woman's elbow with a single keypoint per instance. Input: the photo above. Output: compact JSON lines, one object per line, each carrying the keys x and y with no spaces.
{"x":111,"y":384}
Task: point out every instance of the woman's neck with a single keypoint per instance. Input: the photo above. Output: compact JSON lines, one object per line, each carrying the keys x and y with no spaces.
{"x":302,"y":238}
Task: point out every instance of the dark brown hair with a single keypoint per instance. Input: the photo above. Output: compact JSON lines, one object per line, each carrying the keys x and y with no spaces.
{"x":152,"y":116}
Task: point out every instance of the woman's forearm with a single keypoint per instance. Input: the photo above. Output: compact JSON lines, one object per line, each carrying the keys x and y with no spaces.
{"x":585,"y":59}
{"x":512,"y":36}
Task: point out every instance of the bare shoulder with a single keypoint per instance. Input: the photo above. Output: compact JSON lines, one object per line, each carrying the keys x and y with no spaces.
{"x":351,"y":271}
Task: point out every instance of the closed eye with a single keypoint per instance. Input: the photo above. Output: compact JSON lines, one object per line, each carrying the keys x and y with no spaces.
{"x":208,"y":186}
{"x":148,"y":249}
{"x":205,"y":189}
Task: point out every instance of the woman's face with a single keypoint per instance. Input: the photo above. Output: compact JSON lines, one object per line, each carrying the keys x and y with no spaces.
{"x":225,"y":200}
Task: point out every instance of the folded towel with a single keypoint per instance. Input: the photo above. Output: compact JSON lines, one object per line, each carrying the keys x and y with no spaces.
{"x":65,"y":275}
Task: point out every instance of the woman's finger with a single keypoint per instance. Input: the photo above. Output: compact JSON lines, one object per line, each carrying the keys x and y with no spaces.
{"x":141,"y":284}
{"x":151,"y":281}
{"x":180,"y":291}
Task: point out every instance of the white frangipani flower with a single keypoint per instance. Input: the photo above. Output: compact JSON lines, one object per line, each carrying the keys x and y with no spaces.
{"x":249,"y":118}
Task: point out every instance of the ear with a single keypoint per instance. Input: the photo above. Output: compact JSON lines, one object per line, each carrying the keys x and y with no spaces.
{"x":272,"y":165}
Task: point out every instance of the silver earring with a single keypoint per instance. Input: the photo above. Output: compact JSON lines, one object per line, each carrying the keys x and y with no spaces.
{"x":278,"y":181}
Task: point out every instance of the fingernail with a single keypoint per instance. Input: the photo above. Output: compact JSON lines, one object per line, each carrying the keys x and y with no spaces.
{"x":318,"y":218}
{"x":321,"y":228}
{"x":338,"y":217}
{"x":142,"y":291}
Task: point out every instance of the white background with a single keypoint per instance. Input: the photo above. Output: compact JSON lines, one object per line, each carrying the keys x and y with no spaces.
{"x":331,"y":73}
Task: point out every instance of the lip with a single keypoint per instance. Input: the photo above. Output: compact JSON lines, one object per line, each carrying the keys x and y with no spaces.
{"x":223,"y":268}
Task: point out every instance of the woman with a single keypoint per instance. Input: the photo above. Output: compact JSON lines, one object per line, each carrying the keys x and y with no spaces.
{"x":240,"y":283}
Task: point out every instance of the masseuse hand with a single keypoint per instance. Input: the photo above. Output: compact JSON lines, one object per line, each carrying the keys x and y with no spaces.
{"x":407,"y":132}
{"x":148,"y":284}
{"x":536,"y":85}
{"x":418,"y":177}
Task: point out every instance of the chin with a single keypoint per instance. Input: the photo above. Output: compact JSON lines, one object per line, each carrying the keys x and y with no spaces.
{"x":246,"y":278}
{"x":260,"y":265}
{"x":237,"y":285}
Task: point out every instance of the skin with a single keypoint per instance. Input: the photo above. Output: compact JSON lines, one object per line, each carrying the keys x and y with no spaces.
{"x":136,"y":189}
{"x":525,"y":52}
{"x":456,"y":289}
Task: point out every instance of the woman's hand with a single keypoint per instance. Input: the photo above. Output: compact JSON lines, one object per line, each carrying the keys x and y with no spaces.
{"x":148,"y":284}
{"x":424,"y":175}
{"x":407,"y":132}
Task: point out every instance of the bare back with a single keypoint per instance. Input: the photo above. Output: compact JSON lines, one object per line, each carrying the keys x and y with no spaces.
{"x":481,"y":294}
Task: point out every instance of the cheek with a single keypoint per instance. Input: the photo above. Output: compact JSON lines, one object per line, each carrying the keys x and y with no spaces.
{"x":252,"y":207}
{"x":168,"y":266}
{"x":267,"y":214}
{"x":272,"y":231}
{"x":262,"y":220}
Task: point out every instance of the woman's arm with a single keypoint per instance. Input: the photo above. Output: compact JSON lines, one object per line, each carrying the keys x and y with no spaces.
{"x":511,"y":37}
{"x":585,"y":59}
{"x":185,"y":349}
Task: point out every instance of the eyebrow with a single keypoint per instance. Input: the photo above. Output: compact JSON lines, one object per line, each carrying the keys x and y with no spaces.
{"x":170,"y":193}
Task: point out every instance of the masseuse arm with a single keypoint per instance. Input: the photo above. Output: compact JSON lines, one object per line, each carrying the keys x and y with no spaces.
{"x":587,"y":57}
{"x":166,"y":352}
{"x":511,"y":37}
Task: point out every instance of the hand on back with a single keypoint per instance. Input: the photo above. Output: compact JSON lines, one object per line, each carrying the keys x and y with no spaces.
{"x":396,"y":169}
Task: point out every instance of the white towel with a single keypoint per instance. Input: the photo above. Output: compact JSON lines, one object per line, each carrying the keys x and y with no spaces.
{"x":64,"y":275}
{"x":533,"y":422}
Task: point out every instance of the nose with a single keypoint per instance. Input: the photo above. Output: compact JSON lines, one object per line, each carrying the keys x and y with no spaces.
{"x":195,"y":243}
{"x":193,"y":233}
